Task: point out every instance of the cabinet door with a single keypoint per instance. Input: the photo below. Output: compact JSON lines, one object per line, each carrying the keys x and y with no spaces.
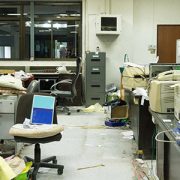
{"x":6,"y":122}
{"x":6,"y":106}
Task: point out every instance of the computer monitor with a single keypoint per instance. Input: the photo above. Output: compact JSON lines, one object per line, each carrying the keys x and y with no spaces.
{"x":45,"y":84}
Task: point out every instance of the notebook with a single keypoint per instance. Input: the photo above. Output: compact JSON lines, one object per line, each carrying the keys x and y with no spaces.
{"x":42,"y":109}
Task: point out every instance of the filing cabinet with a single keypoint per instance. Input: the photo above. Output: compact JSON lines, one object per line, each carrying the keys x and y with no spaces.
{"x":7,"y":115}
{"x":95,"y":69}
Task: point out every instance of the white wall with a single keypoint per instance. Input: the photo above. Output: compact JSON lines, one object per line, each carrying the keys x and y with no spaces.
{"x":139,"y":30}
{"x":114,"y":46}
{"x":147,"y":15}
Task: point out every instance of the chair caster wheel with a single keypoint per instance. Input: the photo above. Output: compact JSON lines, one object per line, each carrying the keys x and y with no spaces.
{"x":60,"y":171}
{"x":54,"y":161}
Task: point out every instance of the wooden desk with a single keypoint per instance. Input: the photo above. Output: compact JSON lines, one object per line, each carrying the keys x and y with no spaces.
{"x":167,"y":154}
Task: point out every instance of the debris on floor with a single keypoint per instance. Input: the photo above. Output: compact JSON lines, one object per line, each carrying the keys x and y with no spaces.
{"x":88,"y":167}
{"x":94,"y":108}
{"x":127,"y":134}
{"x":142,"y":170}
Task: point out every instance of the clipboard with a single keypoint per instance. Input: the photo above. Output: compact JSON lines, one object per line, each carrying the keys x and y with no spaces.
{"x":42,"y":111}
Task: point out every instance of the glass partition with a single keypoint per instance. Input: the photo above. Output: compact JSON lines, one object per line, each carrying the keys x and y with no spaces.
{"x":55,"y":30}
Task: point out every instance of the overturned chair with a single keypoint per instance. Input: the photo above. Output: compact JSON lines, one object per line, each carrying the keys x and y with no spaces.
{"x":36,"y":136}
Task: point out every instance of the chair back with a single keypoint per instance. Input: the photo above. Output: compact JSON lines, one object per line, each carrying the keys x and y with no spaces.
{"x":78,"y":70}
{"x":24,"y":106}
{"x":33,"y":87}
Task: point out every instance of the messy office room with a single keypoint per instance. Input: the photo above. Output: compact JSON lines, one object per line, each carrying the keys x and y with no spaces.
{"x":89,"y":90}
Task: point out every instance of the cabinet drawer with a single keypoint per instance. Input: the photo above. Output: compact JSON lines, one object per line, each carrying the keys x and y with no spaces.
{"x":95,"y":87}
{"x":96,"y":97}
{"x":95,"y":59}
{"x":7,"y":106}
{"x":6,"y":122}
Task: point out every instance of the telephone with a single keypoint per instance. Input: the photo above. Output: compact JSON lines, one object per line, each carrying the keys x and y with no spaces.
{"x":172,"y":75}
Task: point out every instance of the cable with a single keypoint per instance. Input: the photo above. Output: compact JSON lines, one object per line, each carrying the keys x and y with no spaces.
{"x":160,"y":140}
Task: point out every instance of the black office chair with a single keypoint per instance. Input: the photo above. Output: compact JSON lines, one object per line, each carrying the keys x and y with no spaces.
{"x":66,"y":89}
{"x":33,"y":87}
{"x":23,"y":111}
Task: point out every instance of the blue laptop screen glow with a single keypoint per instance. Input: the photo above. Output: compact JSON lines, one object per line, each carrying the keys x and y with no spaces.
{"x":42,"y":109}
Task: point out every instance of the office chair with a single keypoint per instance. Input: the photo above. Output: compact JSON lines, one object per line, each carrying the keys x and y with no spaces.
{"x":23,"y":111}
{"x":33,"y":87}
{"x":58,"y":89}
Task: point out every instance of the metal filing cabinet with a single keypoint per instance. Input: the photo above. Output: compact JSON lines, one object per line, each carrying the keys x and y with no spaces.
{"x":95,"y":70}
{"x":7,"y":115}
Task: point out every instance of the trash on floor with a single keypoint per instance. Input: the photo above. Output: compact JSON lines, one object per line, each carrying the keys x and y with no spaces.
{"x":14,"y":167}
{"x":94,"y":108}
{"x":116,"y":109}
{"x":127,"y":134}
{"x":88,"y":167}
{"x":142,"y":170}
{"x":116,"y":122}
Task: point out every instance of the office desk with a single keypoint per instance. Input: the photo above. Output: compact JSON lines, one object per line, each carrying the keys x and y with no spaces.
{"x":167,"y":154}
{"x":141,"y":123}
{"x":7,"y":115}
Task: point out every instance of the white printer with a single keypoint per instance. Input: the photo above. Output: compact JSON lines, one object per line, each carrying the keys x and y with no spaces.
{"x":177,"y":101}
{"x":161,"y":94}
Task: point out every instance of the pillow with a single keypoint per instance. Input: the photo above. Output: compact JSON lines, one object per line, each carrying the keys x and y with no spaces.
{"x":11,"y":82}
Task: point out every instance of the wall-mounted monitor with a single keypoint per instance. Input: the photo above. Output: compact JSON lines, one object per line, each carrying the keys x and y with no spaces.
{"x":108,"y":24}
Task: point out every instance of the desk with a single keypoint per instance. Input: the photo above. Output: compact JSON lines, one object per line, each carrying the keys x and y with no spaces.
{"x":167,"y":154}
{"x":7,"y":115}
{"x":46,"y":80}
{"x":141,"y":123}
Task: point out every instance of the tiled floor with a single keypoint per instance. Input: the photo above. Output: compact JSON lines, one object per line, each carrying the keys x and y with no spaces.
{"x":103,"y":154}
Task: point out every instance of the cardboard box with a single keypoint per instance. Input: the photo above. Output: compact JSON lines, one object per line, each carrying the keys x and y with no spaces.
{"x":120,"y":112}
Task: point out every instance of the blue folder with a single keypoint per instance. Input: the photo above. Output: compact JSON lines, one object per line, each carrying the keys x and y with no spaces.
{"x":42,"y":109}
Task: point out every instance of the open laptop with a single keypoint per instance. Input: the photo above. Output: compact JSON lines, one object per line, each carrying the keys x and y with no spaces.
{"x":42,"y":109}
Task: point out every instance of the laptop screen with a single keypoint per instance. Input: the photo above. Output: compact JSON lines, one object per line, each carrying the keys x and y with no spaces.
{"x":42,"y":109}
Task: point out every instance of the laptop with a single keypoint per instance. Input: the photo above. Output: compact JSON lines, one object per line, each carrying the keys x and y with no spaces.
{"x":42,"y":109}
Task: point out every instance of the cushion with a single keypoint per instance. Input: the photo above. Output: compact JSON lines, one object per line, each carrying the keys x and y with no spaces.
{"x":11,"y":82}
{"x":36,"y":131}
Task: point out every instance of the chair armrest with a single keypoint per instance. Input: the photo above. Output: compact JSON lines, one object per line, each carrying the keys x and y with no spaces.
{"x":65,"y":81}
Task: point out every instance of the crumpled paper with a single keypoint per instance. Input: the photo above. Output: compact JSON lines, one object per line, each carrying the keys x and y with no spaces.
{"x":94,"y":108}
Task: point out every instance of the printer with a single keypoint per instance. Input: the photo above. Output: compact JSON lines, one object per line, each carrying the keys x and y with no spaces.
{"x":161,"y":96}
{"x":161,"y":92}
{"x":177,"y":101}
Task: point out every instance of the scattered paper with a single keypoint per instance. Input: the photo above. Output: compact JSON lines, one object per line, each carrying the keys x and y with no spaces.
{"x":127,"y":134}
{"x":6,"y":173}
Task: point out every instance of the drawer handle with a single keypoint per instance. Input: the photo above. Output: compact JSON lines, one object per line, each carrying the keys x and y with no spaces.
{"x":95,"y":98}
{"x":95,"y":72}
{"x":95,"y":85}
{"x":95,"y":59}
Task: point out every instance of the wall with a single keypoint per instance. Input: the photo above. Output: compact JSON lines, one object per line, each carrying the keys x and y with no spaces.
{"x":114,"y":46}
{"x":139,"y":29}
{"x":147,"y":15}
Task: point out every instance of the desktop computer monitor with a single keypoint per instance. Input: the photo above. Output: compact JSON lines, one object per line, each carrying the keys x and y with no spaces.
{"x":45,"y":84}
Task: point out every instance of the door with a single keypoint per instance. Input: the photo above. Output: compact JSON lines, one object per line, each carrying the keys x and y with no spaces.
{"x":166,"y":42}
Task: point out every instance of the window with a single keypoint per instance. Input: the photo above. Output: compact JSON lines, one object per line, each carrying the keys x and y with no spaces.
{"x":43,"y":30}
